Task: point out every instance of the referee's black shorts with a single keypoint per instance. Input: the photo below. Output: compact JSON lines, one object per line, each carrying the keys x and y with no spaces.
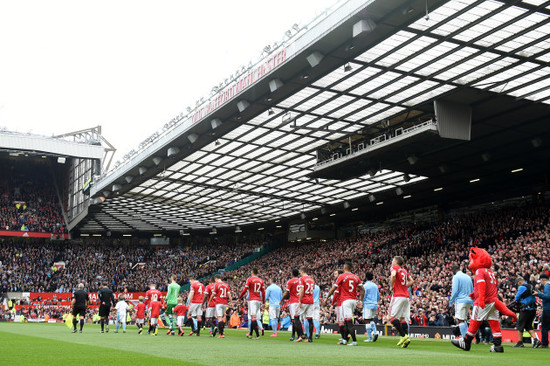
{"x":79,"y":311}
{"x":104,"y":310}
{"x":525,"y":320}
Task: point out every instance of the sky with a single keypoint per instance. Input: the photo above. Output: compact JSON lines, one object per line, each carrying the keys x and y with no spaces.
{"x":127,"y":65}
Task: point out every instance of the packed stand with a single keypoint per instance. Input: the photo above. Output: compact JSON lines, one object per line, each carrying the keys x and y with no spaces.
{"x":27,"y":203}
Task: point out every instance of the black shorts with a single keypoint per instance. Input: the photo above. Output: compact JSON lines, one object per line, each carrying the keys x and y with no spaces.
{"x":525,"y":320}
{"x":79,"y":311}
{"x":104,"y":310}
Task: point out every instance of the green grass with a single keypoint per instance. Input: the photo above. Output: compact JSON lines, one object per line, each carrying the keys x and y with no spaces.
{"x":54,"y":344}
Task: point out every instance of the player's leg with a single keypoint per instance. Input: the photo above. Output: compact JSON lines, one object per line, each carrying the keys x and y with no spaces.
{"x":75,"y":321}
{"x":168,"y":317}
{"x":305,"y":323}
{"x":404,"y":325}
{"x":310,"y":330}
{"x":316,"y":321}
{"x":348,"y":307}
{"x":274,"y":313}
{"x":117,"y":322}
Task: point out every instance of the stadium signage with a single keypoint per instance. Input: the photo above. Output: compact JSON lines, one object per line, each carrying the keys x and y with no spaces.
{"x":254,"y":75}
{"x":28,"y":234}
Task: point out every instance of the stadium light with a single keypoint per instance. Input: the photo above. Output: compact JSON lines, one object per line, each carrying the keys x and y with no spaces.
{"x":517,"y":170}
{"x":315,"y":219}
{"x":260,"y":228}
{"x":332,"y":215}
{"x":275,"y":84}
{"x":116,"y":187}
{"x":412,"y":159}
{"x":217,"y":143}
{"x":399,"y":191}
{"x":157,"y":160}
{"x":363,"y":26}
{"x":270,"y":112}
{"x":379,"y":203}
{"x":96,"y":235}
{"x":406,"y":178}
{"x":372,"y":198}
{"x":347,"y":67}
{"x":213,"y":231}
{"x":407,"y":196}
{"x":215,"y":123}
{"x":193,"y":137}
{"x":346,"y":204}
{"x":303,"y":216}
{"x":314,"y":58}
{"x":128,"y":178}
{"x":354,"y":209}
{"x":85,"y":235}
{"x":475,"y":180}
{"x":438,"y":189}
{"x":278,"y":226}
{"x":61,"y":160}
{"x":127,"y":235}
{"x":242,"y":105}
{"x":142,"y":170}
{"x":238,"y":230}
{"x":172,"y":151}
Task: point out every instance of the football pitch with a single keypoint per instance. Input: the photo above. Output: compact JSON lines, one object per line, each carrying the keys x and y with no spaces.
{"x":54,"y":344}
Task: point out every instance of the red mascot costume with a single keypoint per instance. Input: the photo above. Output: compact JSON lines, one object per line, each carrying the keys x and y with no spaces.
{"x":487,"y":306}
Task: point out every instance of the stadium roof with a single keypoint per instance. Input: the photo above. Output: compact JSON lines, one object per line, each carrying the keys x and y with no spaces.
{"x":246,"y":157}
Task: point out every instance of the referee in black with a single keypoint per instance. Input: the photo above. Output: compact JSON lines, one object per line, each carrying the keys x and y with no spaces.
{"x":79,"y":303}
{"x":106,"y":301}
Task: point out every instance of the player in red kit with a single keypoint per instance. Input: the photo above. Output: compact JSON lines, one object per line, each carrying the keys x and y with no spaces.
{"x":349,"y":286}
{"x":140,"y":314}
{"x":338,"y":310}
{"x":399,"y":310}
{"x":255,"y":287}
{"x":180,"y":311}
{"x":152,"y":293}
{"x":305,"y":301}
{"x":154,"y":312}
{"x":194,"y":302}
{"x":210,"y":313}
{"x":221,"y":293}
{"x":292,"y":292}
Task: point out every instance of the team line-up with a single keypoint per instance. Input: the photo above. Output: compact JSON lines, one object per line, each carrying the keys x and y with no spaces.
{"x":304,"y":304}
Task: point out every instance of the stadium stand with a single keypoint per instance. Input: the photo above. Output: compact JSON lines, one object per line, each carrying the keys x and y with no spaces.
{"x":26,"y":203}
{"x":516,"y":236}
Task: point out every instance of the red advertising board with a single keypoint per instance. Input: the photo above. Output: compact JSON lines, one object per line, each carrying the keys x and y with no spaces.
{"x":28,"y":234}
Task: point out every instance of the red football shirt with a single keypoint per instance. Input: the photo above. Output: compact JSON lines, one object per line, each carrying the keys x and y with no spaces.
{"x":198,"y":289}
{"x":347,"y":285}
{"x":487,"y":276}
{"x":221,"y":291}
{"x":400,"y":288}
{"x":151,"y":295}
{"x":155,"y":308}
{"x":336,"y":298}
{"x":309,"y":285}
{"x":256,"y":289}
{"x":293,"y":288}
{"x":180,"y":310}
{"x":140,"y":310}
{"x":207,"y":293}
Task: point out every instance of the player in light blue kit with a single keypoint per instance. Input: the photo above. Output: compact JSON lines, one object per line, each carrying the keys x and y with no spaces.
{"x":273,"y":297}
{"x":462,"y":287}
{"x":370,"y":306}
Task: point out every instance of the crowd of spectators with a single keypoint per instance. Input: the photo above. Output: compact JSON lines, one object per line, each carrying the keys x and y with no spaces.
{"x":26,"y":203}
{"x":517,"y":237}
{"x":28,"y":265}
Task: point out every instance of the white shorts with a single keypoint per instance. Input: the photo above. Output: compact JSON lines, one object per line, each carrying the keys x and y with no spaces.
{"x":369,"y":313}
{"x":220,"y":310}
{"x":316,"y":312}
{"x":400,"y":307}
{"x":348,"y":308}
{"x":294,"y":311}
{"x":210,"y":312}
{"x":254,"y":307}
{"x":487,"y":313}
{"x":461,"y":310}
{"x":274,"y":312}
{"x":339,"y":314}
{"x":140,"y":321}
{"x":195,"y":310}
{"x":154,"y":321}
{"x":180,"y":321}
{"x":306,"y":310}
{"x":120,"y":318}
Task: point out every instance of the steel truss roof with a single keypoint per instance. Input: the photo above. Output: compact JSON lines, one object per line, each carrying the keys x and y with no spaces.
{"x":259,"y":170}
